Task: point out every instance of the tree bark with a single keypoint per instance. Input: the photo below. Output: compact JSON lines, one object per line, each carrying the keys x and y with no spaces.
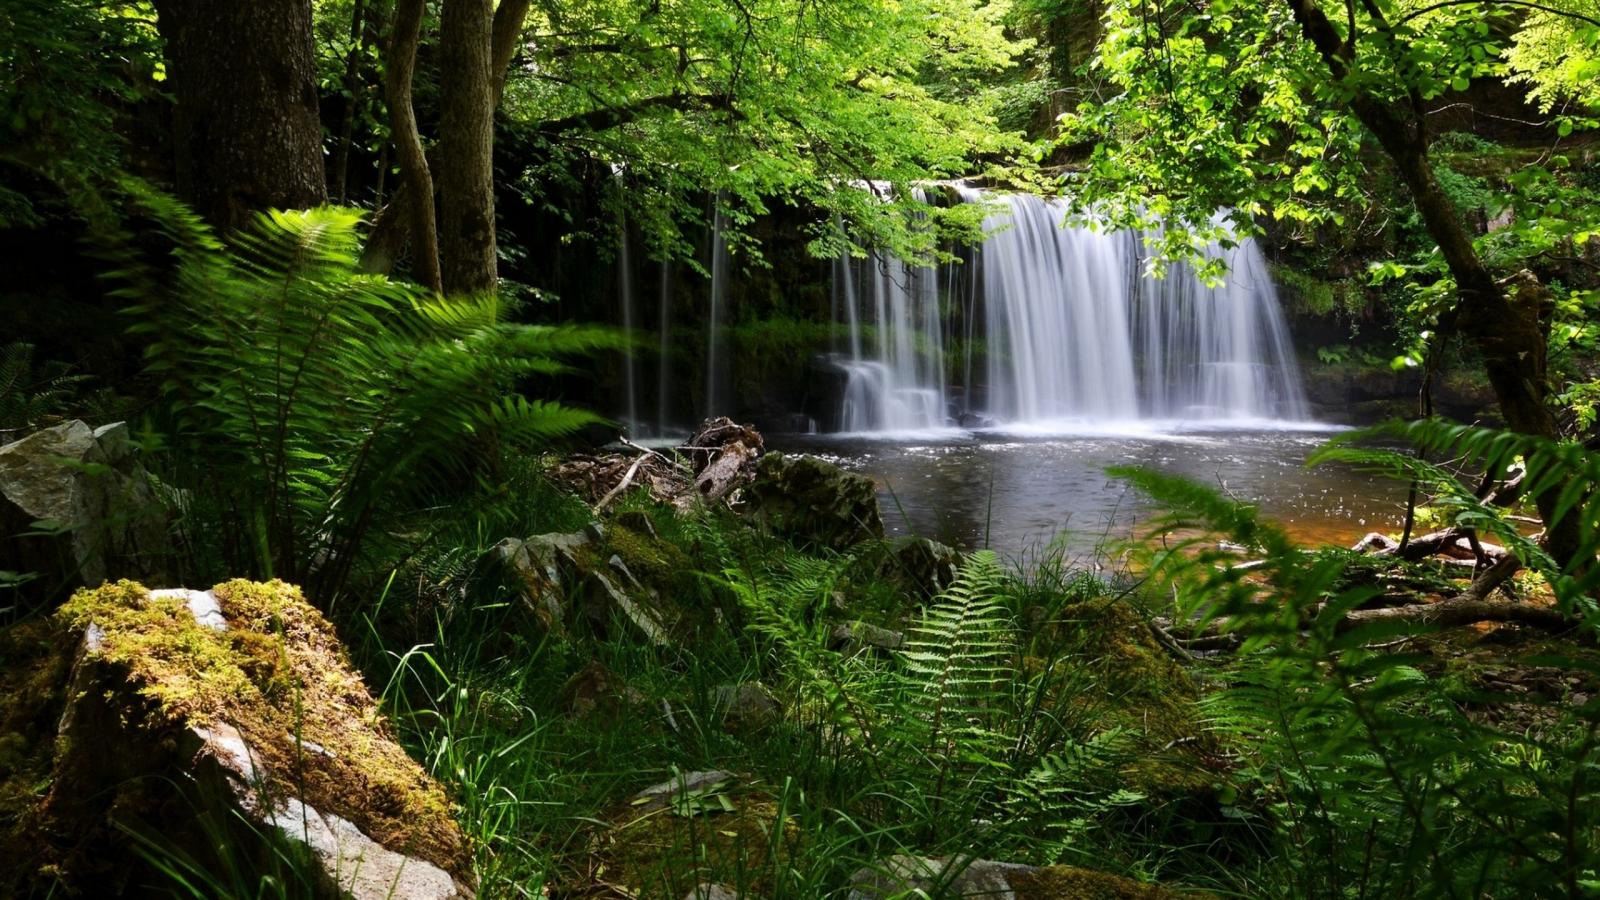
{"x":466,"y":147}
{"x":415,"y":177}
{"x":245,"y":126}
{"x":393,"y":224}
{"x":1506,"y":335}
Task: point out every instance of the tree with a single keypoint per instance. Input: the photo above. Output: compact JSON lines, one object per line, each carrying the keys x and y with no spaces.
{"x":466,"y":146}
{"x":1269,"y":106}
{"x":245,"y":126}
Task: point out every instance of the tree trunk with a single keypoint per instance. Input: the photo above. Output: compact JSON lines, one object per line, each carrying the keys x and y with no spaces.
{"x":415,"y":177}
{"x":393,"y":224}
{"x":1507,"y":335}
{"x":245,"y":124}
{"x":466,"y":147}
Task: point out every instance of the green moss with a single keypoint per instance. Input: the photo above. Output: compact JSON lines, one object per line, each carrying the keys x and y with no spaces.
{"x":279,"y":675}
{"x":664,"y":854}
{"x":1138,"y":686}
{"x":34,"y":664}
{"x":652,"y":560}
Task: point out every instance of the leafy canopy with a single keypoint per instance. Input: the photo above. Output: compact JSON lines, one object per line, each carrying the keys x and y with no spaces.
{"x":837,"y":106}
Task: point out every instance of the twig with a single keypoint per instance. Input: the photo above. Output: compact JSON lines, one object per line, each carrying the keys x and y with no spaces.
{"x":623,"y":484}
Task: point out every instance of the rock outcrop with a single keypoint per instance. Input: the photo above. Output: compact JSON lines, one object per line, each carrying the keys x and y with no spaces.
{"x":815,"y":502}
{"x":182,"y":708}
{"x":100,"y":512}
{"x":610,"y":576}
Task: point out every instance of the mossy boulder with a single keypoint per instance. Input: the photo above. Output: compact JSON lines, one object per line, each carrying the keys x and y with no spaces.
{"x":814,"y":502}
{"x":238,"y":701}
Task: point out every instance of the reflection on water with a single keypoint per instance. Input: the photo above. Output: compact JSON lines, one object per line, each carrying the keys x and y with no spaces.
{"x":1021,"y":491}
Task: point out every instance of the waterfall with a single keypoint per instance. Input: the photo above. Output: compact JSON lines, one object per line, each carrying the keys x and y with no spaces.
{"x":663,"y":416}
{"x":1072,"y":332}
{"x":894,"y":376}
{"x":629,"y":309}
{"x":716,"y":349}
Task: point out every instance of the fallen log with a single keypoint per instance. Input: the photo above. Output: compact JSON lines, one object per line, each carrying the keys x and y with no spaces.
{"x":1468,"y":608}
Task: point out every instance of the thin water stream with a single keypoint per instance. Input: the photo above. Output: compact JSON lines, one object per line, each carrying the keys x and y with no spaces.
{"x":1016,"y":492}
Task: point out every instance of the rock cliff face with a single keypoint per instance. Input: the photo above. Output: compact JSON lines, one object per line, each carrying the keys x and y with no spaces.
{"x":187,"y":721}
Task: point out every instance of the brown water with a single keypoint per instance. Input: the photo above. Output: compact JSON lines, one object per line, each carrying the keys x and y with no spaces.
{"x":1014,"y":492}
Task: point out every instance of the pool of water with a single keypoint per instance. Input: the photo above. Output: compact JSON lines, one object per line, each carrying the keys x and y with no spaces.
{"x":1016,"y":490}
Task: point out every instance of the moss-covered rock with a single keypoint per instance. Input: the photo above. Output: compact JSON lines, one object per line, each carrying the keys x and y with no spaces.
{"x":240,"y":696}
{"x":814,"y":502}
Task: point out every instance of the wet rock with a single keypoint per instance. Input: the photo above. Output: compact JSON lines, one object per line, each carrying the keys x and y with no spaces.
{"x":922,"y":567}
{"x":688,"y":784}
{"x":815,"y":502}
{"x":855,"y":636}
{"x":745,"y":707}
{"x":106,"y":519}
{"x":241,"y":697}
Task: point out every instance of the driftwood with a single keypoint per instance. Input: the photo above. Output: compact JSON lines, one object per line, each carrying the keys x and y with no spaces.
{"x":716,"y":461}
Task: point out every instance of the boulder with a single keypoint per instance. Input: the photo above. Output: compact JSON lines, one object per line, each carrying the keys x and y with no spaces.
{"x":950,"y":879}
{"x":922,"y":567}
{"x":857,"y":636}
{"x":745,"y":707}
{"x":589,"y":567}
{"x":102,"y":517}
{"x":937,"y":878}
{"x":713,"y":892}
{"x":686,"y":786}
{"x":595,"y":689}
{"x":814,"y":502}
{"x":238,"y":700}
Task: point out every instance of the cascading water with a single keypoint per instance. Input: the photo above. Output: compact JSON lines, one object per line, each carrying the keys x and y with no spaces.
{"x":716,"y":340}
{"x":629,"y":305}
{"x":1072,"y":331}
{"x":894,"y":375}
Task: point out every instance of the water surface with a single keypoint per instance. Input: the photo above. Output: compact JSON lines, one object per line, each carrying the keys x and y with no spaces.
{"x":1020,"y":489}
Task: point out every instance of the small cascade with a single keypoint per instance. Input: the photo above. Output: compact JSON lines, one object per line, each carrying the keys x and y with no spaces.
{"x":663,"y":394}
{"x":1071,"y":330}
{"x":895,"y":373}
{"x":629,"y":304}
{"x":717,"y":378}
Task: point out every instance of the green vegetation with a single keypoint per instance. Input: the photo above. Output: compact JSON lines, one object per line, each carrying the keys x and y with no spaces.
{"x":348,"y":268}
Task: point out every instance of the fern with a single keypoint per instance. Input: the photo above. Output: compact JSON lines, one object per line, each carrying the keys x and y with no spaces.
{"x":1376,"y":782}
{"x":33,"y":395}
{"x":313,"y":401}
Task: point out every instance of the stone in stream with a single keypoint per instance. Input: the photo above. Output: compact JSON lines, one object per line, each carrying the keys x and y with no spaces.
{"x":105,"y":519}
{"x":922,"y":566}
{"x":815,"y":502}
{"x":182,"y":710}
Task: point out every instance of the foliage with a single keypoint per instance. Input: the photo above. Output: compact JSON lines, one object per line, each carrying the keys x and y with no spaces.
{"x":838,"y":107}
{"x":314,"y":401}
{"x":65,"y":69}
{"x":31,"y":395}
{"x":1386,"y":780}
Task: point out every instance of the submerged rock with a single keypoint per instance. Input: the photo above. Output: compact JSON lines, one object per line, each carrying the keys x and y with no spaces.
{"x":238,"y":700}
{"x":104,"y":517}
{"x":816,"y":502}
